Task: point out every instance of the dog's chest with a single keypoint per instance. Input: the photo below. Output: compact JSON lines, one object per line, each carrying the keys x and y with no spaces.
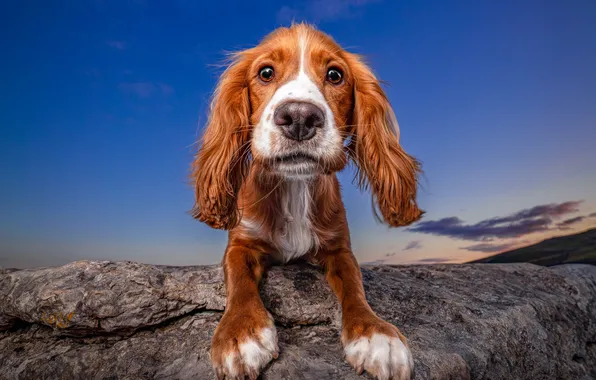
{"x":293,"y":234}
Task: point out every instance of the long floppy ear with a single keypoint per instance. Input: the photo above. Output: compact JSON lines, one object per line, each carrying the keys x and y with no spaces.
{"x":383,"y":166}
{"x":222,"y":161}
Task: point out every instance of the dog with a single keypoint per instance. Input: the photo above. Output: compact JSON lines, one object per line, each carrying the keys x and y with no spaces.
{"x":286,"y":116}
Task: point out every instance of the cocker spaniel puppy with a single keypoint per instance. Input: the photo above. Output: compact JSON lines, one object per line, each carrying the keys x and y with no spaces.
{"x":286,"y":116}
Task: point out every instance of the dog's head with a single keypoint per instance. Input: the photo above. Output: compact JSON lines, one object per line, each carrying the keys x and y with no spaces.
{"x":300,"y":106}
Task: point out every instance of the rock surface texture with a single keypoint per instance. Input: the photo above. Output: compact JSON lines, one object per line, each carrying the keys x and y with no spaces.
{"x":123,"y":320}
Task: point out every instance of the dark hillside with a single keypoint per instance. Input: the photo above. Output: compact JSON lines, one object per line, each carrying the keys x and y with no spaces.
{"x":577,"y":248}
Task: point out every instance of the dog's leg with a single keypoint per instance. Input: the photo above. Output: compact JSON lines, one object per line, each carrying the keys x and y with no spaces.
{"x":369,"y":342}
{"x":245,"y":339}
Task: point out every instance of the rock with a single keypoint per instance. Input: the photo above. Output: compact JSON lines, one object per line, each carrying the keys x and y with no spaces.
{"x":124,"y":320}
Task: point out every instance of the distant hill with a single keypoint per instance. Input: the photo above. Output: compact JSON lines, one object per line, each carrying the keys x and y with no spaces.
{"x":577,"y":248}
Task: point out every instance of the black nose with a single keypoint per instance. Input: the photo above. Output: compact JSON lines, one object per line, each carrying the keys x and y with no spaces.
{"x":299,"y":120}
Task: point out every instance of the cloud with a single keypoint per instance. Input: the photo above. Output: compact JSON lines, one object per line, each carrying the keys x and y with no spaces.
{"x":552,"y":210}
{"x":145,"y":90}
{"x":592,"y":215}
{"x":166,"y":89}
{"x":321,"y":10}
{"x":118,"y":45}
{"x":568,"y":222}
{"x":286,"y":14}
{"x":375,"y":262}
{"x":455,"y":228}
{"x":434,"y":260}
{"x":414,"y":244}
{"x":91,"y":72}
{"x":524,"y":222}
{"x":489,"y":248}
{"x":140,"y":89}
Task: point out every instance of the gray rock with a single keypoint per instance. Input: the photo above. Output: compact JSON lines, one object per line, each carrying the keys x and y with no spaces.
{"x":124,"y":320}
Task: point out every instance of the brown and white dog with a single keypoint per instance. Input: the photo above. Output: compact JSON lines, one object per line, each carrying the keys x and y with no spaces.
{"x":286,"y":116}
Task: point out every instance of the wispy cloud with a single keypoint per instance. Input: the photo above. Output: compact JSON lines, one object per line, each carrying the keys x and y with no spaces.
{"x":571,"y":221}
{"x":489,"y":248}
{"x":118,"y":45}
{"x":321,"y":10}
{"x":167,"y":90}
{"x":91,"y":72}
{"x":140,"y":89}
{"x":414,"y":244}
{"x":375,"y":262}
{"x":536,"y":219}
{"x":433,"y":260}
{"x":145,"y":90}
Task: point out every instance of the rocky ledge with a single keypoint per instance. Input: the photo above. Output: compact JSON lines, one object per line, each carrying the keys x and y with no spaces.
{"x":124,"y":320}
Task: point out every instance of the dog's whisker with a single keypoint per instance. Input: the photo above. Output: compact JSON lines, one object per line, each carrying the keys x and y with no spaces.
{"x":281,"y":180}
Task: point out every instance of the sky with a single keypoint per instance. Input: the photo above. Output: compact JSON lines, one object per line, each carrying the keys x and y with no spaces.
{"x":102,"y":103}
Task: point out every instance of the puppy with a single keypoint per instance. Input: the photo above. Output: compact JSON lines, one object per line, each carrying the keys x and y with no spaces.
{"x":286,"y":116}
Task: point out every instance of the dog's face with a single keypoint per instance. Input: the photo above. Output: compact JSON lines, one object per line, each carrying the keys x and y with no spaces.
{"x":299,"y":105}
{"x":302,"y":101}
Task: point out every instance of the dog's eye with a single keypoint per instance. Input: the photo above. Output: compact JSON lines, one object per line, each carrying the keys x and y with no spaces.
{"x":334,"y":76}
{"x":266,"y":74}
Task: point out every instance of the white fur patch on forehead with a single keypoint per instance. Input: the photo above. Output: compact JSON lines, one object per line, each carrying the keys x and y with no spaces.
{"x":302,"y":43}
{"x":302,"y":87}
{"x":303,"y":82}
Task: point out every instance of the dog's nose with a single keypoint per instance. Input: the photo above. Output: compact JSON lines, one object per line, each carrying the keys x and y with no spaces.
{"x":299,"y":120}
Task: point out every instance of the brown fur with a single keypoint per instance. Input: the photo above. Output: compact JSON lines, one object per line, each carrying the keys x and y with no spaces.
{"x":230,"y":185}
{"x":383,"y":165}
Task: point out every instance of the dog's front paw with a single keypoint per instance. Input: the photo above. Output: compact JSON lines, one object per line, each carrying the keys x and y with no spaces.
{"x":243,"y":344}
{"x":378,"y":348}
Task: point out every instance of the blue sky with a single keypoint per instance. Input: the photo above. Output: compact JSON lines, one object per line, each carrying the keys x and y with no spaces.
{"x":102,"y":102}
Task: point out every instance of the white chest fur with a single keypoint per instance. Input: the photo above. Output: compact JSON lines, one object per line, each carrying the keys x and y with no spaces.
{"x":293,"y":234}
{"x":295,"y":237}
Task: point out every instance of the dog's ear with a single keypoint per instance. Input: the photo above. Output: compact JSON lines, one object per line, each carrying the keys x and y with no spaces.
{"x":221,"y":162}
{"x":383,"y":166}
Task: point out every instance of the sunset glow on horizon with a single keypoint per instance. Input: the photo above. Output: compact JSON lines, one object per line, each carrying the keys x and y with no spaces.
{"x":104,"y":101}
